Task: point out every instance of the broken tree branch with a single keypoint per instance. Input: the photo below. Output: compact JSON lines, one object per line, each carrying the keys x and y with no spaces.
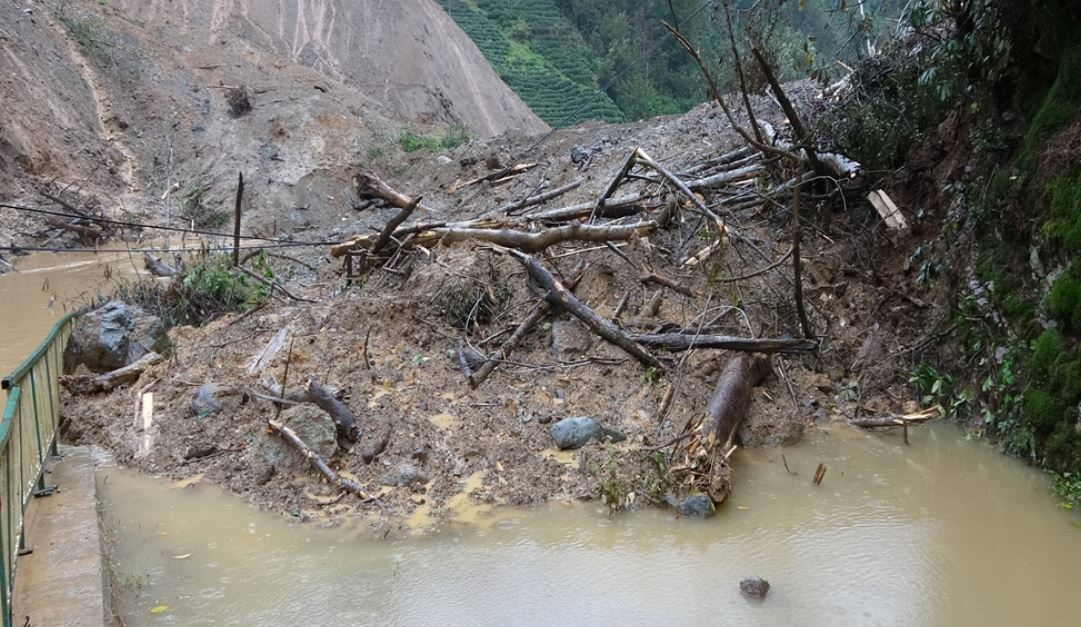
{"x":344,"y":418}
{"x":559,"y":296}
{"x":316,"y":460}
{"x":368,"y":185}
{"x":91,"y":384}
{"x":677,"y":342}
{"x":539,"y":311}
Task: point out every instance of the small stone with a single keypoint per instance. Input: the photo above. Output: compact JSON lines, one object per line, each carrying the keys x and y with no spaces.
{"x":405,"y":476}
{"x":579,"y":154}
{"x":203,"y":403}
{"x":545,"y":419}
{"x":754,"y":587}
{"x":444,"y":160}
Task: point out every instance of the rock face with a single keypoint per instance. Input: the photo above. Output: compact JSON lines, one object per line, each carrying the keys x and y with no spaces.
{"x":754,"y":587}
{"x":113,"y":336}
{"x":576,"y":432}
{"x":314,"y":427}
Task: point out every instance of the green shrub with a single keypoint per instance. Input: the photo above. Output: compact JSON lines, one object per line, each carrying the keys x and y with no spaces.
{"x":205,"y":291}
{"x":1064,"y":225}
{"x":454,"y":136}
{"x":1064,"y":302}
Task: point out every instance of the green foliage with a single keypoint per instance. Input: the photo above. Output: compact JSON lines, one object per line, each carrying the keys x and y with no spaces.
{"x":1064,"y":302}
{"x":205,"y":291}
{"x":454,"y":136}
{"x":1059,"y":108}
{"x":1064,"y":225}
{"x":1053,"y":400}
{"x":937,"y":388}
{"x":1067,"y":487}
{"x":90,"y":33}
{"x":556,"y":54}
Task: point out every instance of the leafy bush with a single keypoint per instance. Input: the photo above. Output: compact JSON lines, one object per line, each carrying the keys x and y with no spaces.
{"x":205,"y":291}
{"x":454,"y":136}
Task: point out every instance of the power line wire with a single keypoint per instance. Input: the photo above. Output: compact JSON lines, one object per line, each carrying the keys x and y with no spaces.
{"x":143,"y":225}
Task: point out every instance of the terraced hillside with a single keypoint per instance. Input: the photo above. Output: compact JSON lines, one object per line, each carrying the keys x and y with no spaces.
{"x":540,"y":54}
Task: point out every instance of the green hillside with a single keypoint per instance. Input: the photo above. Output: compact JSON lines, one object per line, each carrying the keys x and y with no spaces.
{"x":557,"y":54}
{"x":540,"y":54}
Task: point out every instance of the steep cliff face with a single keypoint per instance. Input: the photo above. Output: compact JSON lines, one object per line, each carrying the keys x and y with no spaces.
{"x":408,"y":55}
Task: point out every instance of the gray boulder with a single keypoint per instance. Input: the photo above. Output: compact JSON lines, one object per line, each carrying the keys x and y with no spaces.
{"x":314,"y":427}
{"x":113,"y":336}
{"x":697,"y":506}
{"x":576,"y":432}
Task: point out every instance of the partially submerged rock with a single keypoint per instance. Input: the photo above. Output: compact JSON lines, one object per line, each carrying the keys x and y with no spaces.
{"x":113,"y":336}
{"x":754,"y":587}
{"x":576,"y":432}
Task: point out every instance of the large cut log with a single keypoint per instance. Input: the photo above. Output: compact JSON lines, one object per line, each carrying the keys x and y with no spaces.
{"x":344,"y":418}
{"x":532,"y":242}
{"x":728,"y":404}
{"x":559,"y":296}
{"x":688,"y":341}
{"x":701,"y":461}
{"x":91,"y":384}
{"x":368,"y":185}
{"x":157,"y":267}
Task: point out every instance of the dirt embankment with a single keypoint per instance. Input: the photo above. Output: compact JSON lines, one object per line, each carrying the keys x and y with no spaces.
{"x":392,"y":344}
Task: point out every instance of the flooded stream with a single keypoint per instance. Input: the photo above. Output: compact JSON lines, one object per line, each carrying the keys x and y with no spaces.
{"x":942,"y":532}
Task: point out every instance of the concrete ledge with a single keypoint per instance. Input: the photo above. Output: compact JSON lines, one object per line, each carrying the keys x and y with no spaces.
{"x":62,"y":582}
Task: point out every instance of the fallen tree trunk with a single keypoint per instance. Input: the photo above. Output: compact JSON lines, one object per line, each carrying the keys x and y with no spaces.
{"x":540,"y":310}
{"x":91,"y":384}
{"x":344,"y":418}
{"x":316,"y":460}
{"x":368,"y":185}
{"x":728,"y":404}
{"x":894,"y":420}
{"x":157,"y":267}
{"x":559,"y":296}
{"x":686,"y":341}
{"x":544,"y":197}
{"x":702,"y":465}
{"x":532,"y":242}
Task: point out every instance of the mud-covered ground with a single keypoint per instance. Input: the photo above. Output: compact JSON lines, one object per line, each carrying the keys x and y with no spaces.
{"x":391,"y":344}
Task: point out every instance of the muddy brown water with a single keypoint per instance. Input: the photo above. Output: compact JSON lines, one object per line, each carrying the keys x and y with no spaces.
{"x":945,"y":531}
{"x":942,"y":532}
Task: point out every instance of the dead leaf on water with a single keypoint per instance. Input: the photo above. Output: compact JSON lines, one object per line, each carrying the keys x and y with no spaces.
{"x":158,"y":609}
{"x":182,"y":557}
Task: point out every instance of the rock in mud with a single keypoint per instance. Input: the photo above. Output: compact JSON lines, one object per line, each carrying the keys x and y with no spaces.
{"x":405,"y":476}
{"x":754,"y":587}
{"x":570,"y":337}
{"x":113,"y":336}
{"x":694,"y":506}
{"x":579,"y":154}
{"x":311,"y":425}
{"x":576,"y":432}
{"x":203,"y":402}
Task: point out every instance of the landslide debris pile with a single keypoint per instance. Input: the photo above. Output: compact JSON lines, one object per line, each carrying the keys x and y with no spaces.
{"x":569,"y":332}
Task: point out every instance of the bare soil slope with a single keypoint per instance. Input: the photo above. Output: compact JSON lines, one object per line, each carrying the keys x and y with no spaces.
{"x":128,"y":103}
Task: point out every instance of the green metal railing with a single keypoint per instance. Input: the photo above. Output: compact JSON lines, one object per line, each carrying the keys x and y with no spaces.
{"x":27,"y":437}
